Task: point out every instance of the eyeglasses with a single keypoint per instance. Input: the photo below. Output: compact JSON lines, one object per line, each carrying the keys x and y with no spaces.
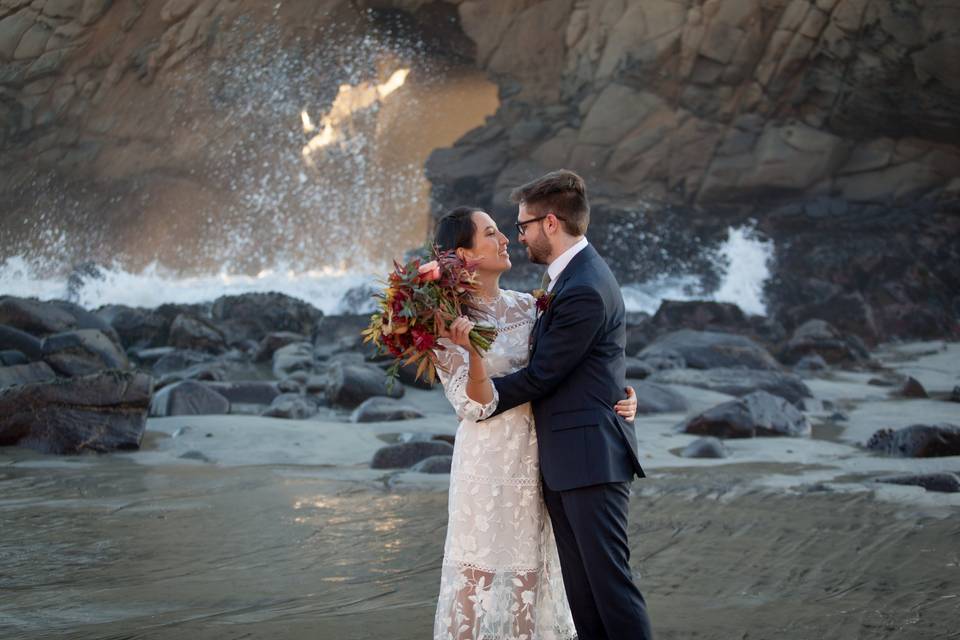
{"x":520,"y":225}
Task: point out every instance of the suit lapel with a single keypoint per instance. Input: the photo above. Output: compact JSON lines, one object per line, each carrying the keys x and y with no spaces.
{"x":542,"y":321}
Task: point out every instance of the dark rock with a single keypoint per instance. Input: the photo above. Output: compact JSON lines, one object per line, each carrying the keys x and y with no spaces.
{"x":655,"y":398}
{"x":137,"y":328}
{"x":708,"y":447}
{"x":24,"y":373}
{"x":208,"y":371}
{"x":187,"y":332}
{"x":434,"y":464}
{"x":639,"y":369}
{"x":848,"y":312}
{"x":940,"y":482}
{"x":297,"y":356}
{"x":34,"y":317}
{"x":350,"y":385}
{"x":756,"y":414}
{"x":179,"y":360}
{"x":701,"y":315}
{"x":336,"y":334}
{"x":408,"y":375}
{"x":291,"y":384}
{"x":662,"y":360}
{"x":407,"y":454}
{"x":380,"y":409}
{"x":912,"y":389}
{"x":917,"y":441}
{"x":81,"y":352}
{"x":251,"y":316}
{"x":292,"y":406}
{"x":881,"y":382}
{"x":359,"y":300}
{"x":11,"y":357}
{"x":737,"y":382}
{"x":246,"y":391}
{"x":188,"y":398}
{"x":955,"y":394}
{"x":99,"y":412}
{"x":15,"y":339}
{"x":150,"y":356}
{"x":811,"y":362}
{"x":821,"y":338}
{"x":273,"y":341}
{"x":193,"y":454}
{"x":84,"y":319}
{"x":709,"y":350}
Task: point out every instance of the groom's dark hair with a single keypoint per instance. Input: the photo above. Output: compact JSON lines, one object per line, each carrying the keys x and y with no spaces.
{"x":562,"y":193}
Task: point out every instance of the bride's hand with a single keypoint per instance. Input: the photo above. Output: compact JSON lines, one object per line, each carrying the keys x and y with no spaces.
{"x":627,"y":408}
{"x":459,"y":332}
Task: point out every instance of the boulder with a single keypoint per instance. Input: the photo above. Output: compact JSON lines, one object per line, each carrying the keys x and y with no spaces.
{"x":34,"y":317}
{"x":292,"y":406}
{"x":100,"y":412}
{"x":137,"y":328}
{"x":251,"y":316}
{"x":955,"y":394}
{"x":912,"y":389}
{"x":407,"y":454}
{"x":11,"y":357}
{"x":639,"y":369}
{"x":708,"y":447}
{"x":350,"y":385}
{"x":24,"y":373}
{"x":273,"y":341}
{"x":655,"y":398}
{"x":917,"y":441}
{"x":756,"y":414}
{"x":847,"y":312}
{"x":188,"y":332}
{"x":701,"y":315}
{"x":150,"y":356}
{"x":179,"y":360}
{"x":940,"y":482}
{"x":737,"y":382}
{"x":296,"y":356}
{"x":811,"y":362}
{"x":84,"y":319}
{"x":710,"y":350}
{"x":408,"y":375}
{"x":380,"y":409}
{"x":821,"y":338}
{"x":434,"y":464}
{"x":81,"y":352}
{"x":12,"y":338}
{"x":188,"y":398}
{"x":246,"y":391}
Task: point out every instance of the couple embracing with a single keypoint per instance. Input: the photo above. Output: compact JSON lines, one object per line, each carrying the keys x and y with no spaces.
{"x":536,"y":545}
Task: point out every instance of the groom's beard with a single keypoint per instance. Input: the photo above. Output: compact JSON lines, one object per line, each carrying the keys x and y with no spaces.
{"x":539,"y":251}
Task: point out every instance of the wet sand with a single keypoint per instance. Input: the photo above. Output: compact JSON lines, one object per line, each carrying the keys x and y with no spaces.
{"x":283,"y":532}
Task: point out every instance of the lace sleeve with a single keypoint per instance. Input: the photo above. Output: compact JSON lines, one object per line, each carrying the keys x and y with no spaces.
{"x":453,"y":375}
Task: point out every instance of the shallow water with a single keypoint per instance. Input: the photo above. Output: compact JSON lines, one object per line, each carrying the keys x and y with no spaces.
{"x":105,"y":548}
{"x":117,"y":550}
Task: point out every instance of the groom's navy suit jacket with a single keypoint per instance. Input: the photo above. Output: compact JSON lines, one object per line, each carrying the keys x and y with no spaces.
{"x":576,"y":373}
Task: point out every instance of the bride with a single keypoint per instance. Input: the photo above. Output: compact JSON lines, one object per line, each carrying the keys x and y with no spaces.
{"x":500,"y":576}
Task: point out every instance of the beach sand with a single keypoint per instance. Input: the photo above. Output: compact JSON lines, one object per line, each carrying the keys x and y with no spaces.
{"x":279,"y":529}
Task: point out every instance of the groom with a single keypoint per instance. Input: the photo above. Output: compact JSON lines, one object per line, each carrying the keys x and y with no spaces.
{"x":588,"y":454}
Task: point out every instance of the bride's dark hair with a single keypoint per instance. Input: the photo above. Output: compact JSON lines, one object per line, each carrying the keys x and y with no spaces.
{"x":455,"y":229}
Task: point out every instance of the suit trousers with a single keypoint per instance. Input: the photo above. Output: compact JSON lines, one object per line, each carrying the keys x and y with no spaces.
{"x":590,"y":526}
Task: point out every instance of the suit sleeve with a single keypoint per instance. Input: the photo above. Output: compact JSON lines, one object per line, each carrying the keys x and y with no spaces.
{"x":577,"y":320}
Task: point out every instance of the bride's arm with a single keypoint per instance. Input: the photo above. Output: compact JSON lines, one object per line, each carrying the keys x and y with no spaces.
{"x":479,"y":388}
{"x":453,"y":367}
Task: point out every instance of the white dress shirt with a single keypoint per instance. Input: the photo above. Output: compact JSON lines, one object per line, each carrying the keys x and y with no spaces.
{"x":557,"y":266}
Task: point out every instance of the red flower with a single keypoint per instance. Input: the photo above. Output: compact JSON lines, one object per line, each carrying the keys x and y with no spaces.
{"x":543,"y":300}
{"x":422,"y":340}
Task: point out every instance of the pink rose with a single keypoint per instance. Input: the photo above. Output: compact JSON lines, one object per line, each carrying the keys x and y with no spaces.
{"x":429,"y":271}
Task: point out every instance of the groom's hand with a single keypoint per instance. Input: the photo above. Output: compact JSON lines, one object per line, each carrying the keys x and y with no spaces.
{"x":627,"y":408}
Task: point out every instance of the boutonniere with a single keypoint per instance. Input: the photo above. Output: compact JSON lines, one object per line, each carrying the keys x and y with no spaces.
{"x":543,"y":300}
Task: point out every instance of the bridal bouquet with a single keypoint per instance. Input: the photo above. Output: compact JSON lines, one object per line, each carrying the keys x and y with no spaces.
{"x":418,"y":300}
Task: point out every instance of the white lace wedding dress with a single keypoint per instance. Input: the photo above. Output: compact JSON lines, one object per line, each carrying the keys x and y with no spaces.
{"x":501,"y":575}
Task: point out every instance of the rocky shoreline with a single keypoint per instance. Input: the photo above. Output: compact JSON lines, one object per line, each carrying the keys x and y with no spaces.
{"x":76,"y":381}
